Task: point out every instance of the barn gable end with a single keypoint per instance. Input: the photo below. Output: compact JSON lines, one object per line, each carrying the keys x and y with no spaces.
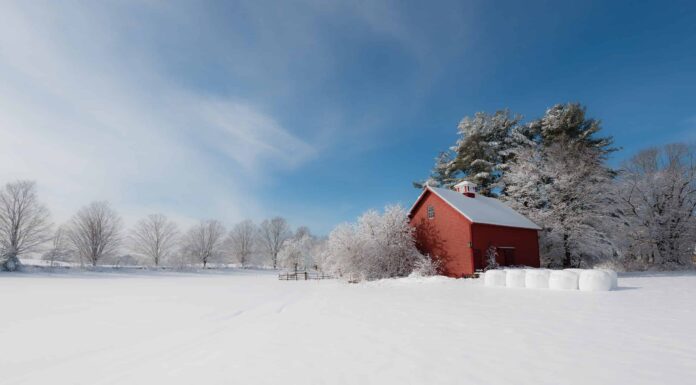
{"x":458,"y":228}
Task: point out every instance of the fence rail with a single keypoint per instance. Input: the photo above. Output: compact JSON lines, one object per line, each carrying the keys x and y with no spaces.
{"x":303,"y":276}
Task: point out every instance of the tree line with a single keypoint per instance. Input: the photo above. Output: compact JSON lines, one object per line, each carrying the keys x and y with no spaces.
{"x":95,"y":235}
{"x":555,"y":170}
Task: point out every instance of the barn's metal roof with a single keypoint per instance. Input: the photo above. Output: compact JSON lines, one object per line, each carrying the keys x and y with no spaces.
{"x":481,"y":209}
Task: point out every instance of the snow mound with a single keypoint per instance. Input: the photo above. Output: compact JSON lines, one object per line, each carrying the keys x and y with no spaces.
{"x":536,"y":279}
{"x":563,"y":280}
{"x":614,"y":277}
{"x":515,"y":278}
{"x":595,"y":280}
{"x":494,"y":278}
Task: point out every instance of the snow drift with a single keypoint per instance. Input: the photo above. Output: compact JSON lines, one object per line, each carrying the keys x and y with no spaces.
{"x":494,"y":278}
{"x":563,"y":280}
{"x":515,"y":278}
{"x":595,"y":280}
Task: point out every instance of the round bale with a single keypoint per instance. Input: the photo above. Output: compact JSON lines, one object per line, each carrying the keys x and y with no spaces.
{"x":594,"y":280}
{"x":515,"y":278}
{"x":576,"y":271}
{"x":563,"y":280}
{"x":494,"y":278}
{"x":536,"y":278}
{"x":614,"y":277}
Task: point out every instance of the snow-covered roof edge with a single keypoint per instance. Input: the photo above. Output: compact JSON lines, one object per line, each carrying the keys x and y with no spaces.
{"x":532,"y":225}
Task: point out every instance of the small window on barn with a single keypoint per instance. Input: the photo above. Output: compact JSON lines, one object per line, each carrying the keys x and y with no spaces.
{"x":431,"y":212}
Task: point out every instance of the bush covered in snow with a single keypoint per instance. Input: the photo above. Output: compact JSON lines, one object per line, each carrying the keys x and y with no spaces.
{"x":377,"y":246}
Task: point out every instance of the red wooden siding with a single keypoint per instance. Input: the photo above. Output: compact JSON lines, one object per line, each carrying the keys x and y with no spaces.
{"x":461,"y":246}
{"x":446,"y":237}
{"x":524,"y":241}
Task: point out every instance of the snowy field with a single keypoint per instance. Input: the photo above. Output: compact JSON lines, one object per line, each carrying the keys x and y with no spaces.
{"x":249,"y":328}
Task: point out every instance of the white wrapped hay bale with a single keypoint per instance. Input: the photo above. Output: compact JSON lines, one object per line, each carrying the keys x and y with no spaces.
{"x":515,"y":278}
{"x":614,"y":277}
{"x":576,"y":271}
{"x":494,"y":278}
{"x":563,"y":280}
{"x":595,"y":280}
{"x":536,"y":278}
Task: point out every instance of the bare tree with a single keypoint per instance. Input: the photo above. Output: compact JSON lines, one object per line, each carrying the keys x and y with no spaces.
{"x":205,"y":241}
{"x":95,"y":232}
{"x":657,"y":189}
{"x":242,"y":240}
{"x":273,"y":234}
{"x":24,"y":222}
{"x":154,"y":237}
{"x":60,"y":247}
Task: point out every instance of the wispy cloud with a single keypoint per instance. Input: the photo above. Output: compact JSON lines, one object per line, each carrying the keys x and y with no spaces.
{"x":193,"y":108}
{"x":91,"y":118}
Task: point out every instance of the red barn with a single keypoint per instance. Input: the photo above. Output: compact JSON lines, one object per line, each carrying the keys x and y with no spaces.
{"x":459,"y":226}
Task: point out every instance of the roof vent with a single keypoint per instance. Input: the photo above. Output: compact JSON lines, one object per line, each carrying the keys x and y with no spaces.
{"x":467,"y":188}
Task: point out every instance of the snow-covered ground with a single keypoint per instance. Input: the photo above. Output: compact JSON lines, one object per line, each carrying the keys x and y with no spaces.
{"x":249,"y":328}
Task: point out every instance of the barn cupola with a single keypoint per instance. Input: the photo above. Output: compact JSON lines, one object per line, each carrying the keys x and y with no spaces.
{"x":467,"y":188}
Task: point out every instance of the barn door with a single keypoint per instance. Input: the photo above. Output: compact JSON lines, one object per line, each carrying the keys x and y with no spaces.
{"x":506,"y":256}
{"x":479,"y":263}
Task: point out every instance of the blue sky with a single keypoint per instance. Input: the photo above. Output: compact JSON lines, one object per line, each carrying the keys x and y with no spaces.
{"x":313,"y":110}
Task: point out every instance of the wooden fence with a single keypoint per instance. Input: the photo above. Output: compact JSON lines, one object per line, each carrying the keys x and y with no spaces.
{"x":302,"y":276}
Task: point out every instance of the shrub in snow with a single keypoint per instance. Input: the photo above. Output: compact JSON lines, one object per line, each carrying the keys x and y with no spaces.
{"x":492,"y":258}
{"x":595,"y":280}
{"x":425,"y":267}
{"x":536,"y":279}
{"x":10,"y":263}
{"x":563,"y":280}
{"x":377,"y":246}
{"x":515,"y":278}
{"x":494,"y":278}
{"x":614,"y":277}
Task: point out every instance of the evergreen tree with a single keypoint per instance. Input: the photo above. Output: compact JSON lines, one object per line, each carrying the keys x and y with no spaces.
{"x":560,"y":180}
{"x":481,"y":153}
{"x":567,"y":124}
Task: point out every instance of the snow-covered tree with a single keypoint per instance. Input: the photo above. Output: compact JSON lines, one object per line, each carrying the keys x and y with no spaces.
{"x":560,"y":180}
{"x":566,"y":189}
{"x":155,"y":238}
{"x":204,"y":241}
{"x":95,"y":232}
{"x":317,"y":254}
{"x":442,"y":174}
{"x":295,"y":253}
{"x":657,"y":190}
{"x":24,"y":222}
{"x":377,"y":246}
{"x":272,"y":234}
{"x":242,"y":241}
{"x":481,"y":152}
{"x":568,"y":123}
